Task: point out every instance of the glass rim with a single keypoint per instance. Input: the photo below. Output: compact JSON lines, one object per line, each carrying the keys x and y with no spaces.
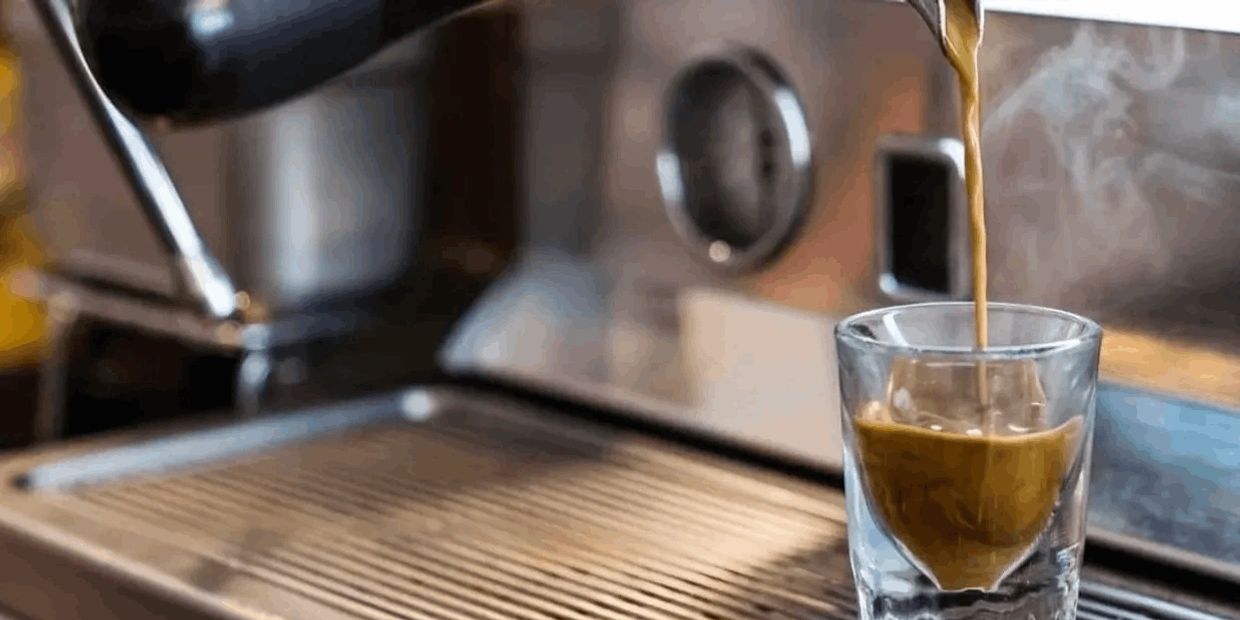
{"x":1091,"y":333}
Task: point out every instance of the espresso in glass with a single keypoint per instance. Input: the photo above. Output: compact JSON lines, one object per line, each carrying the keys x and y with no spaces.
{"x":966,"y":468}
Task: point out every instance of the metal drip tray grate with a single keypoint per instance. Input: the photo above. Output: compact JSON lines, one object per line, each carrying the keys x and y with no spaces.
{"x":483,"y":512}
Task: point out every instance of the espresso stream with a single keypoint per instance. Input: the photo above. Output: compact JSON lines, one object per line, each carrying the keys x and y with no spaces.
{"x":967,"y":507}
{"x":963,"y":42}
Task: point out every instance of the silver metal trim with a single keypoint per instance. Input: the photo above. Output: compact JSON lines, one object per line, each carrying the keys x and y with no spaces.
{"x":949,"y":151}
{"x":178,"y":452}
{"x":155,"y":317}
{"x":1168,"y":554}
{"x":199,"y":270}
{"x":762,"y":73}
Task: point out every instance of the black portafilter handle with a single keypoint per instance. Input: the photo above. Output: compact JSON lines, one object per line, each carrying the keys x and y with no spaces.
{"x":194,"y":61}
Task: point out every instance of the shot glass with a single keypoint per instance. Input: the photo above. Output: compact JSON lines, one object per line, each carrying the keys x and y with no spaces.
{"x":966,"y":470}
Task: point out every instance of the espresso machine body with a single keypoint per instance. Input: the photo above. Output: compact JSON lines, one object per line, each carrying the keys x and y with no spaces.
{"x":769,"y":168}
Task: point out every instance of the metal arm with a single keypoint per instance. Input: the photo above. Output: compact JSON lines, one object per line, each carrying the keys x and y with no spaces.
{"x":201,"y":274}
{"x":199,"y":61}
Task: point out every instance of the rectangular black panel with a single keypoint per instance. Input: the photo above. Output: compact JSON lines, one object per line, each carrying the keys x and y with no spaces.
{"x":919,"y":197}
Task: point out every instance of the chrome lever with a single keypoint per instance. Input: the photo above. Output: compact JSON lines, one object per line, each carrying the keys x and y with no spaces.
{"x":200,"y":272}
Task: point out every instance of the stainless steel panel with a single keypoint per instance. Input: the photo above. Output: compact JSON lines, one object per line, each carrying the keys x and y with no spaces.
{"x":1109,"y":150}
{"x":487,"y":508}
{"x":637,"y":318}
{"x":1164,"y":480}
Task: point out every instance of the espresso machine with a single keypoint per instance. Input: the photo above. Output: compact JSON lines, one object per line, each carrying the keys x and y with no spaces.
{"x":600,"y":248}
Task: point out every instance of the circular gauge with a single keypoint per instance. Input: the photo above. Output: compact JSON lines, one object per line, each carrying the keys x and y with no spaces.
{"x":735,"y":166}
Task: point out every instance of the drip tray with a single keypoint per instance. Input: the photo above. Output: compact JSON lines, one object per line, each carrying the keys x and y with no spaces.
{"x":479,"y":509}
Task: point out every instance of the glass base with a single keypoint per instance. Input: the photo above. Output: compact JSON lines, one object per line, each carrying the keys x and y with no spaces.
{"x":1044,"y":588}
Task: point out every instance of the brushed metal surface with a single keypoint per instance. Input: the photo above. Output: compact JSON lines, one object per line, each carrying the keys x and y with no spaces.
{"x":1109,"y":195}
{"x":1164,"y":480}
{"x":487,"y":509}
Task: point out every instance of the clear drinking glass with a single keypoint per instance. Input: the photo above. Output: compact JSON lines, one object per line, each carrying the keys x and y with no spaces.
{"x":966,"y":470}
